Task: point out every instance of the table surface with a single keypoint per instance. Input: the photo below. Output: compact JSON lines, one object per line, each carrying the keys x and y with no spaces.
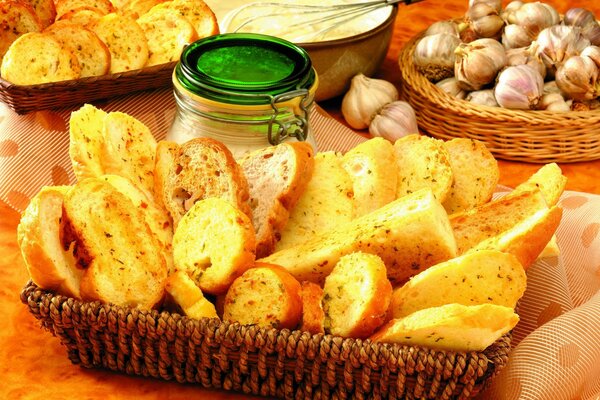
{"x":33,"y":364}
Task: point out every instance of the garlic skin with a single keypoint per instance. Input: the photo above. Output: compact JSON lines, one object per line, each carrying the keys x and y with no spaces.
{"x":523,"y":56}
{"x":449,"y":27}
{"x":484,"y":20}
{"x":477,"y":63}
{"x":535,"y":17}
{"x":452,"y":87}
{"x":434,"y":55}
{"x":495,"y":4}
{"x":515,"y":36}
{"x":592,"y":52}
{"x":558,"y":43}
{"x":577,"y":78}
{"x":483,"y":98}
{"x":554,"y":102}
{"x":395,"y":120}
{"x":585,"y":19}
{"x":508,"y":12}
{"x":551,"y":87}
{"x":365,"y":98}
{"x":519,"y":87}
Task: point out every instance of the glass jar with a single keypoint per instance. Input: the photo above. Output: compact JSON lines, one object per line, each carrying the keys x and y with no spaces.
{"x":246,"y":90}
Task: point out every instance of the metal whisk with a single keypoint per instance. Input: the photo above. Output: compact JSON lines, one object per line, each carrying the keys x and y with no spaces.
{"x":322,"y":19}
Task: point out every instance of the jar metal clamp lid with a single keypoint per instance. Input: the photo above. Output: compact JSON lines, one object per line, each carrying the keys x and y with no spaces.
{"x":244,"y":71}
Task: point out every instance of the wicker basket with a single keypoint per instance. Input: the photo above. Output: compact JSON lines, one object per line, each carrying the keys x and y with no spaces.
{"x":24,"y":99}
{"x":529,"y":136}
{"x":259,"y":361}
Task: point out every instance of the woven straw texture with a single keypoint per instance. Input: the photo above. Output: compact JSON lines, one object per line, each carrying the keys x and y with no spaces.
{"x":24,"y":99}
{"x":529,"y":136}
{"x":259,"y":361}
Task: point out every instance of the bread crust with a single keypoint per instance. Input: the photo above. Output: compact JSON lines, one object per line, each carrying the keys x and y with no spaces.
{"x":189,"y":297}
{"x":313,"y":316}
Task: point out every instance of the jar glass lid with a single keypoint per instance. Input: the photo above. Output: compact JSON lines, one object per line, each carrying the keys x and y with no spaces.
{"x":244,"y":68}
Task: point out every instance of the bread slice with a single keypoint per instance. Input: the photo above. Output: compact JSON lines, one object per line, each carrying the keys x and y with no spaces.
{"x":370,"y":166}
{"x":36,"y":58}
{"x":137,"y":8}
{"x":356,"y":296}
{"x":327,"y":202}
{"x":91,"y":52}
{"x":423,"y":162}
{"x":266,"y":295}
{"x":86,"y":141}
{"x":126,"y":41}
{"x":201,"y":168}
{"x":85,"y":16}
{"x":122,"y":259}
{"x":16,"y":19}
{"x":189,"y":297}
{"x":486,"y":276}
{"x":410,"y":234}
{"x":39,"y":238}
{"x":197,"y":12}
{"x":129,"y":149}
{"x":528,"y":238}
{"x":65,"y":6}
{"x":214,"y":243}
{"x":277,"y":177}
{"x":166,"y":152}
{"x":475,"y":172}
{"x":550,"y":181}
{"x":313,"y":316}
{"x":452,"y":327}
{"x":493,"y":218}
{"x":44,"y":9}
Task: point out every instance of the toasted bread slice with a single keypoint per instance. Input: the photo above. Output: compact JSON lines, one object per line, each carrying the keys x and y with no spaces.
{"x":410,"y":234}
{"x":266,"y":295}
{"x":44,"y":9}
{"x":327,"y":202}
{"x":202,"y":168}
{"x":313,"y":316}
{"x":549,"y":179}
{"x":86,"y":141}
{"x":126,"y":41}
{"x":16,"y":19}
{"x":91,"y":52}
{"x":167,"y":33}
{"x":214,"y":243}
{"x":189,"y":297}
{"x":368,"y":165}
{"x":356,"y":296}
{"x":277,"y":176}
{"x":166,"y":153}
{"x":423,"y":162}
{"x":486,"y":276}
{"x":39,"y":237}
{"x":452,"y":327}
{"x":121,"y":257}
{"x":85,"y":16}
{"x":475,"y":174}
{"x":36,"y":58}
{"x":129,"y":149}
{"x":200,"y":15}
{"x":65,"y":6}
{"x":137,"y":8}
{"x":527,"y":239}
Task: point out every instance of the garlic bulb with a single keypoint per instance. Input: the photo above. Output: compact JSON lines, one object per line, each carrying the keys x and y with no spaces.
{"x":449,"y":27}
{"x":434,"y":55}
{"x":554,"y":102}
{"x":535,"y":17}
{"x":452,"y":87}
{"x":592,"y":52}
{"x":556,"y":44}
{"x":519,"y":87}
{"x":515,"y":36}
{"x":585,"y":19}
{"x":523,"y":56}
{"x":577,"y":78}
{"x":551,"y":87}
{"x":365,"y":98}
{"x":482,"y":97}
{"x":484,"y":20}
{"x":496,"y":4}
{"x":395,"y":120}
{"x":508,"y":13}
{"x":477,"y":63}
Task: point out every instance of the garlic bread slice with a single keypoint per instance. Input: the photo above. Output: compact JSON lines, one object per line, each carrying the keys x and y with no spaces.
{"x":86,"y":141}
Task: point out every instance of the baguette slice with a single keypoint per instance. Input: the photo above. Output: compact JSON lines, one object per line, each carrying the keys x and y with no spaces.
{"x":121,"y":257}
{"x":486,"y":276}
{"x":423,"y":162}
{"x":327,"y":202}
{"x":44,"y":9}
{"x":550,"y":181}
{"x":453,"y":327}
{"x":475,"y":172}
{"x":189,"y":297}
{"x":65,"y":6}
{"x":313,"y":316}
{"x":86,"y":141}
{"x":356,"y":296}
{"x":410,"y":234}
{"x":197,"y":12}
{"x":137,"y":8}
{"x":277,"y":176}
{"x":370,"y":166}
{"x":85,"y":16}
{"x":266,"y":295}
{"x":201,"y":168}
{"x":39,"y":238}
{"x":214,"y":243}
{"x":16,"y":19}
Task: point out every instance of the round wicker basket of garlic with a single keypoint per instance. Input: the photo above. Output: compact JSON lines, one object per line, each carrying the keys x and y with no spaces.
{"x":523,"y":79}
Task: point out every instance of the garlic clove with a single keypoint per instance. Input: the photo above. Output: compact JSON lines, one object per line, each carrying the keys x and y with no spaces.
{"x":515,"y":36}
{"x":522,"y":56}
{"x":495,"y":4}
{"x":585,"y":19}
{"x":577,"y":78}
{"x":519,"y":87}
{"x":477,"y":63}
{"x":554,"y":102}
{"x":395,"y":120}
{"x":535,"y":17}
{"x":592,"y":52}
{"x":434,"y":55}
{"x":452,"y":87}
{"x":508,"y":14}
{"x":365,"y":98}
{"x":483,"y":98}
{"x":484,"y":20}
{"x":558,"y":43}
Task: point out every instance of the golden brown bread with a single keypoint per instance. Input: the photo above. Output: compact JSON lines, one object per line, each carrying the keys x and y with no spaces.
{"x":313,"y":316}
{"x":86,"y":141}
{"x":16,"y":19}
{"x":189,"y":297}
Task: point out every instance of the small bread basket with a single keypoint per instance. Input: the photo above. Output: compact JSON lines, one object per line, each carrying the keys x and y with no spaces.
{"x":528,"y":136}
{"x":252,"y":360}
